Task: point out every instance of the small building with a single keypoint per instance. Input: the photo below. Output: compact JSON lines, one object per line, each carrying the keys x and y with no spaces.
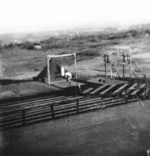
{"x":37,"y":47}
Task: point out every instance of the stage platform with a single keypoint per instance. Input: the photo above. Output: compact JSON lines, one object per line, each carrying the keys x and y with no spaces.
{"x":63,"y":84}
{"x":109,"y":81}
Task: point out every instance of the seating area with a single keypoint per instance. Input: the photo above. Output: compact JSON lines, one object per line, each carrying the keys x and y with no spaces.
{"x":70,"y":100}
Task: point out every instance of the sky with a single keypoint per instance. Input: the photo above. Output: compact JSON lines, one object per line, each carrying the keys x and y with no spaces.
{"x":42,"y":15}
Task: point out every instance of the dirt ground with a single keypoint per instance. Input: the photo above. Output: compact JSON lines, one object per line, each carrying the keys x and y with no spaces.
{"x":116,"y":131}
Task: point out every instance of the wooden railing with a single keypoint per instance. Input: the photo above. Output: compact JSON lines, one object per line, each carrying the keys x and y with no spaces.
{"x":46,"y":108}
{"x":55,"y":109}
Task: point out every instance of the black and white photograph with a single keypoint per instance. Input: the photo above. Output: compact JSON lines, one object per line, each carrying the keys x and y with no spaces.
{"x":74,"y":78}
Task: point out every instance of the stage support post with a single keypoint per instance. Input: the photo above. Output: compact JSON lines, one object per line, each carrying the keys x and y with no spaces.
{"x":48,"y":70}
{"x":105,"y":70}
{"x":75,"y":64}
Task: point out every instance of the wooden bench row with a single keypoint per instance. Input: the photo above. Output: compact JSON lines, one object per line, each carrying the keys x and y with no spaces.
{"x":123,"y":89}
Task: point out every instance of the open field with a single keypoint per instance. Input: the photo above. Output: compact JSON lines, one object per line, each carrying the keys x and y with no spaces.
{"x":24,"y":62}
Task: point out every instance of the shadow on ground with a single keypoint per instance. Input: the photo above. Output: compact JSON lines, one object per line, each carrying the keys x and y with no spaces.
{"x":12,"y":81}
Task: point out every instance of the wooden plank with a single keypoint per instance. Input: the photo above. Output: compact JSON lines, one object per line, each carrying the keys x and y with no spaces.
{"x":23,"y":117}
{"x":99,"y":105}
{"x":99,"y":89}
{"x":120,"y":88}
{"x":137,"y":90}
{"x":130,"y":89}
{"x":43,"y":104}
{"x":145,"y":92}
{"x":77,"y":105}
{"x":9,"y":123}
{"x":26,"y":103}
{"x":52,"y":111}
{"x":64,"y":55}
{"x":87,"y":91}
{"x":31,"y":104}
{"x":108,"y":89}
{"x":55,"y":102}
{"x":119,"y":103}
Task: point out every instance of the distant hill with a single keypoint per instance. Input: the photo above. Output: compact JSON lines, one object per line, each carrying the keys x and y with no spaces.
{"x":39,"y":36}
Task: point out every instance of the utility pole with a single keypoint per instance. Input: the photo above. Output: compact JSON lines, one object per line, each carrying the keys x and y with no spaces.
{"x":107,"y":60}
{"x":124,"y":60}
{"x":105,"y":64}
{"x":129,"y":61}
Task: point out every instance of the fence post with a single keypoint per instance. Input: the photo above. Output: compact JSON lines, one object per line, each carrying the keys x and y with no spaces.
{"x":77,"y":105}
{"x":52,"y":111}
{"x":23,"y":116}
{"x":145,"y":93}
{"x":126,"y":97}
{"x":102,"y":103}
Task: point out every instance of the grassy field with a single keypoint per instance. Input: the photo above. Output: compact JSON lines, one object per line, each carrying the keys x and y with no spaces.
{"x":22,"y":62}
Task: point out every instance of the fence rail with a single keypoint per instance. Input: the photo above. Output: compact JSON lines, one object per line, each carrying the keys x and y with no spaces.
{"x":52,"y":107}
{"x":55,"y":109}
